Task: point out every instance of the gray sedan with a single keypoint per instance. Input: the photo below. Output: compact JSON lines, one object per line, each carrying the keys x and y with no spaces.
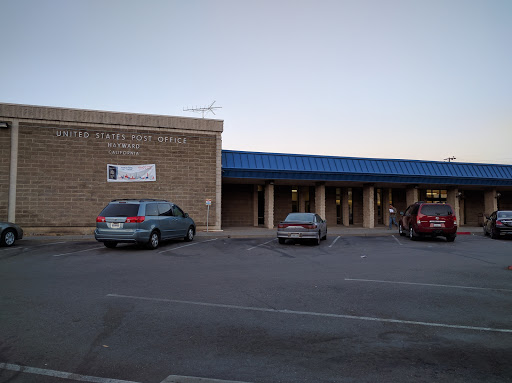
{"x":9,"y":233}
{"x":300,"y":226}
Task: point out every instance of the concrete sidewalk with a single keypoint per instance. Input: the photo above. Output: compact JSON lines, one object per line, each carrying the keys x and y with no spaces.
{"x":260,"y":232}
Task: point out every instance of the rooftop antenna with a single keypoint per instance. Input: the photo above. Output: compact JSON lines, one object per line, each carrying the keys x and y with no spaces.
{"x":450,"y":159}
{"x":203,"y":110}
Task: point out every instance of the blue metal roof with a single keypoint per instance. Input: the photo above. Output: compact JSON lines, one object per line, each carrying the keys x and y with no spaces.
{"x":255,"y":165}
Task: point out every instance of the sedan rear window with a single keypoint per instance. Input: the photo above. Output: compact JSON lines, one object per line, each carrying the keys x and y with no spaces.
{"x":121,"y":210}
{"x":504,"y":214}
{"x":300,"y":217}
{"x":436,"y":210}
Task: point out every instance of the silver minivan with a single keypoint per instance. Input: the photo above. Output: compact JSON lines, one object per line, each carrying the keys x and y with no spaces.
{"x":142,"y":221}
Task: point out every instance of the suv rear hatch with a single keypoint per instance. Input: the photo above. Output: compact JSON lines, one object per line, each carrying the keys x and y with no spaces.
{"x":436,"y":216}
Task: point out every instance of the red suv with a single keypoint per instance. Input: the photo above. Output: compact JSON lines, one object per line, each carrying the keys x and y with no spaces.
{"x":428,"y":219}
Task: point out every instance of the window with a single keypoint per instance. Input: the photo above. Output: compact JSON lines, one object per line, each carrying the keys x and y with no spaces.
{"x":338,"y":206}
{"x":121,"y":210}
{"x":152,"y":209}
{"x":436,"y":195}
{"x":350,"y":207}
{"x":177,"y":212}
{"x":165,"y":209}
{"x":295,"y":199}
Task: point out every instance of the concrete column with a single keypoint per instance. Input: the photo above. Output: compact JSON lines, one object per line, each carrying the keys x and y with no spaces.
{"x":412,"y":195}
{"x":490,"y":201}
{"x":13,"y":172}
{"x":453,"y":199}
{"x":320,"y":199}
{"x":269,"y":205}
{"x":385,"y":206}
{"x":255,"y":201}
{"x":345,"y":211}
{"x":368,"y":206}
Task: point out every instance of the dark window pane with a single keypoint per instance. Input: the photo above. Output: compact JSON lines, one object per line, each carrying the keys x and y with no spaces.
{"x":165,"y":209}
{"x":121,"y":210}
{"x":436,"y":210}
{"x":151,"y":209}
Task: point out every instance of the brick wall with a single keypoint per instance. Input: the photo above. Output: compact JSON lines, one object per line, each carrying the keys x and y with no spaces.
{"x":5,"y":155}
{"x":62,"y":180}
{"x":282,"y":202}
{"x":237,"y":205}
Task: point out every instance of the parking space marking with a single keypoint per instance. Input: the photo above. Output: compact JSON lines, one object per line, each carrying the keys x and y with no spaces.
{"x":60,"y":374}
{"x":263,"y":244}
{"x":333,"y":242}
{"x":315,"y":314}
{"x":193,"y":379}
{"x":190,"y":244}
{"x":427,"y":284}
{"x":396,"y":239}
{"x":78,"y":251}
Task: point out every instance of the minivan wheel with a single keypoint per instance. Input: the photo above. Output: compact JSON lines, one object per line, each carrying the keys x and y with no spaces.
{"x":412,"y":234}
{"x":190,"y":234}
{"x":401,"y":230}
{"x":154,"y":240}
{"x":110,"y":244}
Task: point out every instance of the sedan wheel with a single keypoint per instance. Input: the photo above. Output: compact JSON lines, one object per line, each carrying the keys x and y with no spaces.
{"x":494,"y":234}
{"x":8,"y":238}
{"x":318,"y":239}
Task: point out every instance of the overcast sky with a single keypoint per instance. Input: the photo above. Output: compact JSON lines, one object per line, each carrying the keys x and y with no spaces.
{"x":382,"y":79}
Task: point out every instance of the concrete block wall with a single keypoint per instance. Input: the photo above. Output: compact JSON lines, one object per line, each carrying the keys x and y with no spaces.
{"x":5,"y":160}
{"x":62,"y":164}
{"x":282,"y":202}
{"x":238,"y":205}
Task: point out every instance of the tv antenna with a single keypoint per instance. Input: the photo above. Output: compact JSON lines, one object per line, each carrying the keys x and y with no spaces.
{"x":450,"y":159}
{"x":203,"y":110}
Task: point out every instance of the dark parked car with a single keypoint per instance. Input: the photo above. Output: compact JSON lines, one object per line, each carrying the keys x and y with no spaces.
{"x":498,"y":223}
{"x":428,"y":219}
{"x":143,"y":221}
{"x":9,"y":233}
{"x":302,"y":226}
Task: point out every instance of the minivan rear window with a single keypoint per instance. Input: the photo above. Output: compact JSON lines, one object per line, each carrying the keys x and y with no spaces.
{"x":436,"y":210}
{"x":121,"y":210}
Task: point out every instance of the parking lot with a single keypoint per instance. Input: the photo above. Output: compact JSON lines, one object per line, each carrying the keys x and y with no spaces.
{"x":354,"y":309}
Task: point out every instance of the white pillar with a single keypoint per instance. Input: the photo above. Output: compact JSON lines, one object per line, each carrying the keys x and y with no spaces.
{"x":412,"y":195}
{"x":13,"y":172}
{"x":269,"y":205}
{"x":320,"y":199}
{"x":368,"y":206}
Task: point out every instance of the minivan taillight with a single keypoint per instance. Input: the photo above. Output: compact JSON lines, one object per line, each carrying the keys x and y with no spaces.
{"x":135,"y":219}
{"x":100,"y":219}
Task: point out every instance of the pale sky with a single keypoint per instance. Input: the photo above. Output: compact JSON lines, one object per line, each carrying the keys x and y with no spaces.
{"x":406,"y":79}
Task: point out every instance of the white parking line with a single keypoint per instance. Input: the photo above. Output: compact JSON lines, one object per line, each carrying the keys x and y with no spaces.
{"x":193,"y":379}
{"x":190,"y":244}
{"x":263,"y":244}
{"x":401,"y":244}
{"x":79,"y":251}
{"x":333,"y":242}
{"x":60,"y":374}
{"x":326,"y":315}
{"x":427,"y":284}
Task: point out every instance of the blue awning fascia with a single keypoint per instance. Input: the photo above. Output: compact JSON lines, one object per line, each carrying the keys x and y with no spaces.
{"x":354,"y":177}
